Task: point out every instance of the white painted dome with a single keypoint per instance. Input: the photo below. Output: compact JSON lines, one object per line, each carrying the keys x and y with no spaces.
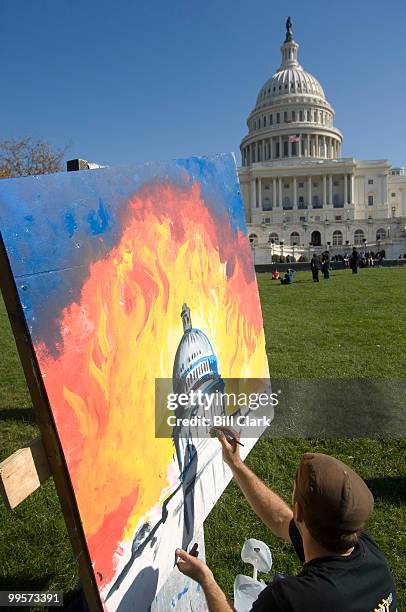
{"x":291,"y":117}
{"x":195,"y":361}
{"x":288,"y":81}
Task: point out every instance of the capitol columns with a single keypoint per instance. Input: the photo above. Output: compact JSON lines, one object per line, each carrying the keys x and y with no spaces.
{"x":385,"y":189}
{"x":325,"y":190}
{"x":260,"y":193}
{"x":309,"y":191}
{"x":294,"y":192}
{"x":280,"y":192}
{"x":253,"y":194}
{"x":274,"y":202}
{"x":351,"y":189}
{"x":330,"y":189}
{"x":345,"y":189}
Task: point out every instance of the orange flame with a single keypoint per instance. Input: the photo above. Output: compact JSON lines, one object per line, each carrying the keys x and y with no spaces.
{"x":123,"y":333}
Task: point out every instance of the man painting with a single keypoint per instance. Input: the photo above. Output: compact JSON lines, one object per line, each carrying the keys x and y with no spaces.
{"x":343,"y":568}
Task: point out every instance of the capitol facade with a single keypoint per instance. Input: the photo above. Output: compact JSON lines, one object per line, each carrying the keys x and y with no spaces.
{"x":299,"y":194}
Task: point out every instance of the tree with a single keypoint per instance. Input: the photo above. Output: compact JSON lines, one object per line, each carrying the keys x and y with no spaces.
{"x":26,"y":157}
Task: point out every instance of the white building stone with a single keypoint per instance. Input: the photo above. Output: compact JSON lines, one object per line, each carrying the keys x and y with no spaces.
{"x":298,"y":192}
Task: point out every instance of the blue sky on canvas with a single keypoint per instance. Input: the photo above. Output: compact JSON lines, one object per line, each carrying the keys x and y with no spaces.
{"x":127,"y":81}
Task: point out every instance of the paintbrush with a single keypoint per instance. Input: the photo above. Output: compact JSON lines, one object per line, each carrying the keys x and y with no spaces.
{"x":193,"y":551}
{"x":215,"y":432}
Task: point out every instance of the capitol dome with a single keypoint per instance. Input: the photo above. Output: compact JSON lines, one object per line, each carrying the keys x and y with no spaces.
{"x":288,"y":81}
{"x":291,"y":117}
{"x":195,"y":362}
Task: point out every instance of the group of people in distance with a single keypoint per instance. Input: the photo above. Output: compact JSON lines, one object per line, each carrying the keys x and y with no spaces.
{"x":366,"y":259}
{"x":322,"y":263}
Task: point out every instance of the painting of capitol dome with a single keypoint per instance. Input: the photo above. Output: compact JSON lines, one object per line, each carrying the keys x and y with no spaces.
{"x":195,"y":369}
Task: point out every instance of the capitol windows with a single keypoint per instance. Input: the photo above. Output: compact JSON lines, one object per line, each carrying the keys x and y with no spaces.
{"x":285,"y":116}
{"x":335,"y":183}
{"x":286,"y":185}
{"x":278,"y":117}
{"x":300,"y":115}
{"x":315,"y":184}
{"x":337,"y":238}
{"x":316,"y":202}
{"x":285,"y":148}
{"x":273,"y":238}
{"x":300,"y":185}
{"x":270,"y":119}
{"x":264,"y":121}
{"x":393,"y":195}
{"x":359,"y":236}
{"x":294,"y":238}
{"x":293,"y":115}
{"x":308,"y":115}
{"x":370,"y":200}
{"x":301,"y":203}
{"x":370,"y":181}
{"x":286,"y":203}
{"x":380,"y":234}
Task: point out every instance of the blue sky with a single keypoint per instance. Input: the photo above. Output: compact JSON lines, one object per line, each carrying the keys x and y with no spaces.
{"x":132,"y":80}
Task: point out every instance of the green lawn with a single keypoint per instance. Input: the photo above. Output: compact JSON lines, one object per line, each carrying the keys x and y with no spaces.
{"x":350,"y":326}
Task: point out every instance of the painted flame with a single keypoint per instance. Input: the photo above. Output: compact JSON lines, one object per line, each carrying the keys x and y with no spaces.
{"x":123,"y":333}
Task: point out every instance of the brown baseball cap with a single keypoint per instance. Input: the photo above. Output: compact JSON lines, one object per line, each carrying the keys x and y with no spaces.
{"x":332,"y":494}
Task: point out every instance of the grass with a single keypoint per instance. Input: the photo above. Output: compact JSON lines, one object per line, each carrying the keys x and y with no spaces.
{"x":348,"y":327}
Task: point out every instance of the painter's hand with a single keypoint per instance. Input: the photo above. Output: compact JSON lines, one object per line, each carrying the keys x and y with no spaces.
{"x":193,"y":567}
{"x":231,"y":450}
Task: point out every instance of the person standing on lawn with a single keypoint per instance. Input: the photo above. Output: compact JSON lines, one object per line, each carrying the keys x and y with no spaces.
{"x":325,"y":265}
{"x":343,"y":568}
{"x":354,"y":260}
{"x":315,"y":268}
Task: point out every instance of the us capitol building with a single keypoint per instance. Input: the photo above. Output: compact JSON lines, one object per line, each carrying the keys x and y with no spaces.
{"x":299,"y":194}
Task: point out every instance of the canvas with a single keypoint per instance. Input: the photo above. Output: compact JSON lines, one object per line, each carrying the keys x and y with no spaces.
{"x":125,"y":276}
